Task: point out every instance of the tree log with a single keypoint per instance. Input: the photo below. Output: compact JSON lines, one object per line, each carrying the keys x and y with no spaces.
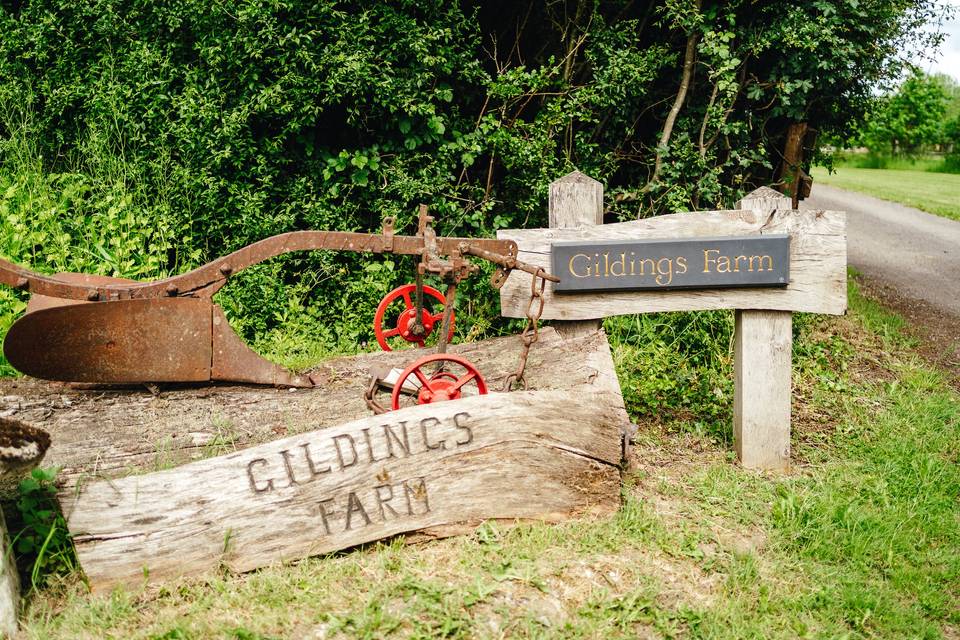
{"x":550,"y":453}
{"x":105,"y":432}
{"x":547,"y":455}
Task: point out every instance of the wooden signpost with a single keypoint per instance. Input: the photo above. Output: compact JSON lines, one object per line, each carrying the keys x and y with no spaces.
{"x":157,"y":487}
{"x":816,"y":283}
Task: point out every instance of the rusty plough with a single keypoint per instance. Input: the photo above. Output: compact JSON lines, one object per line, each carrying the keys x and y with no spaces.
{"x":87,"y":328}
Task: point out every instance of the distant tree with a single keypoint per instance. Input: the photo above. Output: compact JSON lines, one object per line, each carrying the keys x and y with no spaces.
{"x":911,"y":118}
{"x":952,"y":90}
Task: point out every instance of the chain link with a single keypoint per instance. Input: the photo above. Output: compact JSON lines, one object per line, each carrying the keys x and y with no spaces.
{"x":531,"y":333}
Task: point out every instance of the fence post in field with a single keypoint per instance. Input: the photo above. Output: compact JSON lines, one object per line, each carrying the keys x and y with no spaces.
{"x":575,"y":199}
{"x":763,"y":343}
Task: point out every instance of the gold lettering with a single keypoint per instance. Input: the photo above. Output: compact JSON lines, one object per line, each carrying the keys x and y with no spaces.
{"x":661,"y":271}
{"x":736,"y":263}
{"x":643,"y":262}
{"x":621,"y":262}
{"x":573,"y":272}
{"x":707,"y":259}
{"x":760,"y":260}
{"x":682,"y":263}
{"x":723,"y":264}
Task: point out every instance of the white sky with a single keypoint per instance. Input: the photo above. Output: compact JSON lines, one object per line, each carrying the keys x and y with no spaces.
{"x":947,"y":60}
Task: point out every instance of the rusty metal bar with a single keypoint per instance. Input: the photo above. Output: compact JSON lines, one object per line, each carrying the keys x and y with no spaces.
{"x":203,"y":281}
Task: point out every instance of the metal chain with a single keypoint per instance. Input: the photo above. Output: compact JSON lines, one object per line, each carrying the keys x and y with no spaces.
{"x":531,"y":333}
{"x":370,"y":396}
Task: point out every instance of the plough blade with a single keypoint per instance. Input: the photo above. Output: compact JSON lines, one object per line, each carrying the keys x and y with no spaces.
{"x":132,"y":341}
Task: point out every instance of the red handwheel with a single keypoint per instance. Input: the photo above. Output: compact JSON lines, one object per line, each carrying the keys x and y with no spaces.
{"x":442,"y":384}
{"x":403,"y":326}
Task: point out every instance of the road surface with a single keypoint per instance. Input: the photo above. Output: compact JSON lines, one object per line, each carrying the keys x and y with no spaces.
{"x":910,"y":258}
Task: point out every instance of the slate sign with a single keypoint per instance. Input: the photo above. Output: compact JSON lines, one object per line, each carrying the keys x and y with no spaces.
{"x":694,"y":263}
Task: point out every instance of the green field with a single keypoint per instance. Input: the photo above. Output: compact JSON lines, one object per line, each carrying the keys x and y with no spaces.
{"x":937,"y":193}
{"x":861,"y":540}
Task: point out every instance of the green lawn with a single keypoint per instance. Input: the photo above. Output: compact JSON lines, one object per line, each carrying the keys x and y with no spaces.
{"x":861,"y":540}
{"x":937,"y":193}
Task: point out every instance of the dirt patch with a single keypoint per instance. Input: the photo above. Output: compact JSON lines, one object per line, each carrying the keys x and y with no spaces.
{"x":936,"y":330}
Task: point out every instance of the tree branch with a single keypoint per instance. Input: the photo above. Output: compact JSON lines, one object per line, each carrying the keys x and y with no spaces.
{"x":688,"y":57}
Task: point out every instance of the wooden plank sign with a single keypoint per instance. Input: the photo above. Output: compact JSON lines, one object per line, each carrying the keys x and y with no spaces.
{"x":695,"y":263}
{"x":437,"y":469}
{"x":817,"y":259}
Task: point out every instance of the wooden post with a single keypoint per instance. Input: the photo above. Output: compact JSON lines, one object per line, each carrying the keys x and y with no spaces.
{"x":576,"y":199}
{"x":763,"y":342}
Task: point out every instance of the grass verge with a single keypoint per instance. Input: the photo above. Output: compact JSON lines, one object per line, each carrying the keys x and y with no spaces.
{"x":861,"y":540}
{"x":937,"y":193}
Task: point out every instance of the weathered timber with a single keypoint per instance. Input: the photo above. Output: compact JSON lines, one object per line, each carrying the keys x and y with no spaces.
{"x":817,"y":265}
{"x":545,"y":455}
{"x":575,"y":199}
{"x":109,"y":432}
{"x":762,"y":350}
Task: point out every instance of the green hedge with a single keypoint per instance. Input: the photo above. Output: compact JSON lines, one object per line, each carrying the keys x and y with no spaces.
{"x":140,"y":138}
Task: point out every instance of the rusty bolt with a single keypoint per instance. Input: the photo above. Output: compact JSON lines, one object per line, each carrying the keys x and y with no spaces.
{"x":172,"y":289}
{"x":22,"y":283}
{"x":226,"y":270}
{"x":93,"y":295}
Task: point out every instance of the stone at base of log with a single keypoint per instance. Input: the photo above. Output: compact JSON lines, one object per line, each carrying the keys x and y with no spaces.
{"x":545,"y":455}
{"x":22,"y":447}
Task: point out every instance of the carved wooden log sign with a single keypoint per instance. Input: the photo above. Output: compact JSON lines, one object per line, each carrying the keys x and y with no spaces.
{"x":546,"y":455}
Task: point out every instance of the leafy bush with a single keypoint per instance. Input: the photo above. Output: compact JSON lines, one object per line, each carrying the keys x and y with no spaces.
{"x":40,"y":536}
{"x":141,"y":139}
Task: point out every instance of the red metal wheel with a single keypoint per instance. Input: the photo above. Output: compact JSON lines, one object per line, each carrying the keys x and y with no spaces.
{"x":442,"y":384}
{"x":402,"y":326}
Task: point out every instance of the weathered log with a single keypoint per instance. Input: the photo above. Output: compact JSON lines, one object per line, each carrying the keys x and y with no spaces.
{"x":546,"y":455}
{"x":109,"y":432}
{"x":818,"y":265}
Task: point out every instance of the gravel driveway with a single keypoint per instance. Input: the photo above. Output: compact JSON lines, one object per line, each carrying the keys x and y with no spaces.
{"x":910,"y":259}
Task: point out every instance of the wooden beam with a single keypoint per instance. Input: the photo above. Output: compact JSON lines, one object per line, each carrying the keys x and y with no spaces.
{"x":437,"y":470}
{"x":818,"y":265}
{"x":576,"y":200}
{"x":763,"y":343}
